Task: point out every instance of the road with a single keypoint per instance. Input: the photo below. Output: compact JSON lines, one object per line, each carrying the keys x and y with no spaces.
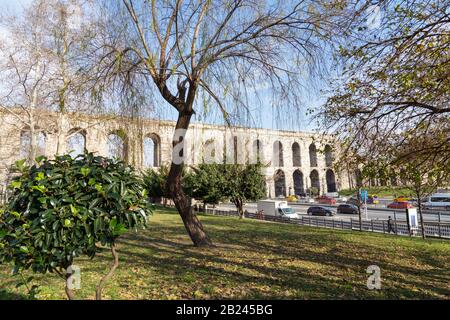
{"x":372,"y":213}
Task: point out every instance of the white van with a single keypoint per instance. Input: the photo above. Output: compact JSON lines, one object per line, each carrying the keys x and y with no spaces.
{"x":276,"y":208}
{"x":437,"y":201}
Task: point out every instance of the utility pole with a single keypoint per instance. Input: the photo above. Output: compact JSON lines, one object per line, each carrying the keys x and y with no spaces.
{"x":359,"y":209}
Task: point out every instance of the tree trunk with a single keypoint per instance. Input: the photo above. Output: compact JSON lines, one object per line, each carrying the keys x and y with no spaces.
{"x":240,"y":207}
{"x":60,"y":134}
{"x":69,"y":292}
{"x":98,"y":292}
{"x":33,"y":141}
{"x":182,"y":202}
{"x":419,"y":205}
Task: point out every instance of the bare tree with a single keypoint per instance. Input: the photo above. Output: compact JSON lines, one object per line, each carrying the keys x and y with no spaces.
{"x":222,"y":50}
{"x":393,"y":92}
{"x":70,"y":26}
{"x":24,"y":71}
{"x":44,"y":67}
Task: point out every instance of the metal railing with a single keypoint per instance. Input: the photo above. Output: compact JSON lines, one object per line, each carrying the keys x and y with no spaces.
{"x":432,"y":229}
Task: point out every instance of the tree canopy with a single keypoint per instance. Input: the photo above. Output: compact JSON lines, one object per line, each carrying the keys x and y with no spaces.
{"x":392,"y":101}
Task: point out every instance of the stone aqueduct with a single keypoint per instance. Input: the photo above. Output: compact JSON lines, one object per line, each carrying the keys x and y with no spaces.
{"x":295,"y":161}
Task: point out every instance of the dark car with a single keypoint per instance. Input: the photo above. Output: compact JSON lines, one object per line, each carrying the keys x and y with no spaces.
{"x":320,"y":211}
{"x":347,"y":208}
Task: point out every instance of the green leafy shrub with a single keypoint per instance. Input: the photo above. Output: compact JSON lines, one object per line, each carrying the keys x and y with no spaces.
{"x":64,"y":208}
{"x":239,"y":183}
{"x":155,"y":181}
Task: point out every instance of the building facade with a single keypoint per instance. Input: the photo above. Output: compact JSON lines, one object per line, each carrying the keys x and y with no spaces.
{"x":294,"y":161}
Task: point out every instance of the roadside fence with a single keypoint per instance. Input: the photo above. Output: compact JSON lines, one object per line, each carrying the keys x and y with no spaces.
{"x":432,"y":229}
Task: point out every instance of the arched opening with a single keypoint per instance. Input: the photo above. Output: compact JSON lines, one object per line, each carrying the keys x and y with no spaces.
{"x":331,"y":181}
{"x":278,"y":159}
{"x":209,"y":152}
{"x":299,"y":188}
{"x":117,"y":145}
{"x":280,"y":184}
{"x":152,"y":151}
{"x":329,"y":157}
{"x":315,"y":182}
{"x":257,"y":151}
{"x":296,"y":157}
{"x":313,"y":156}
{"x":25,"y":143}
{"x":76,"y":142}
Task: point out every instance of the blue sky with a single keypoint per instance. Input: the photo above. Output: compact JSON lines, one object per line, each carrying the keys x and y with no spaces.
{"x":268,"y":117}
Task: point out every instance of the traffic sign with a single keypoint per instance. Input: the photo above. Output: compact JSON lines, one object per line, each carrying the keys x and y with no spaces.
{"x":364,"y":195}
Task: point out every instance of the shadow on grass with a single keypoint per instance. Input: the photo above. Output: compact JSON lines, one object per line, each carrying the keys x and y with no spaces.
{"x":6,"y":295}
{"x":181,"y":259}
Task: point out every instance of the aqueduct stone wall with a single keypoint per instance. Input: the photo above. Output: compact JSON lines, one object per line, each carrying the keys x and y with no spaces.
{"x":294,"y":159}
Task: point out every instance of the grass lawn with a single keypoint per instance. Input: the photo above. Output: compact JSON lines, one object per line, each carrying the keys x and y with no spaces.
{"x":382,"y":192}
{"x":257,"y":260}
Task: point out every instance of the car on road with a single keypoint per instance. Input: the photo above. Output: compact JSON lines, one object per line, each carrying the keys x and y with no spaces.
{"x":320,"y":211}
{"x":402,"y":199}
{"x":325,"y":200}
{"x":400,"y":205}
{"x":347,"y":208}
{"x":437,"y":201}
{"x":371,"y":199}
{"x":306,"y":200}
{"x":292,"y":199}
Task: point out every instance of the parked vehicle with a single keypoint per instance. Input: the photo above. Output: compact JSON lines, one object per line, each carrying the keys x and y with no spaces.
{"x":332,"y":194}
{"x":292,"y":199}
{"x":347,"y":208}
{"x":437,"y":200}
{"x":306,"y":200}
{"x":325,"y":200}
{"x":400,"y":205}
{"x":372,"y":200}
{"x":402,"y":199}
{"x":320,"y":211}
{"x":276,"y":208}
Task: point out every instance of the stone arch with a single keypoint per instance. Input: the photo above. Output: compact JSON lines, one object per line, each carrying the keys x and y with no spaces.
{"x":152,"y":150}
{"x":25,"y":143}
{"x":117,"y":142}
{"x":315,"y":181}
{"x":76,"y":142}
{"x":280,"y":183}
{"x":331,"y":181}
{"x":278,"y":159}
{"x":209,"y":151}
{"x":312,"y":156}
{"x":299,"y":188}
{"x":296,"y":155}
{"x":329,"y":157}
